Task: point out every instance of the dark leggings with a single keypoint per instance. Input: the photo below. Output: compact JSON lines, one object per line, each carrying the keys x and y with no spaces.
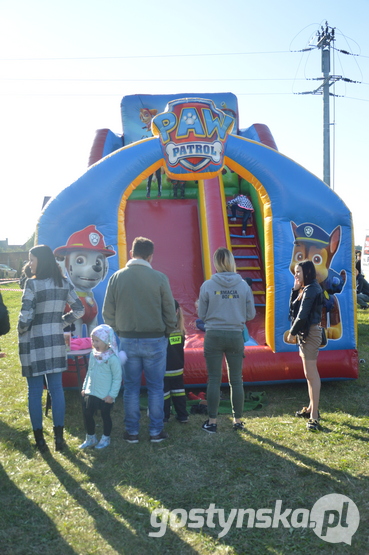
{"x":158,"y":178}
{"x":90,"y":406}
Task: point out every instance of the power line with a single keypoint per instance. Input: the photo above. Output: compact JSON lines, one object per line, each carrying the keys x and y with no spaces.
{"x":354,"y":98}
{"x":149,"y":80}
{"x":143,"y":56}
{"x":27,"y":94}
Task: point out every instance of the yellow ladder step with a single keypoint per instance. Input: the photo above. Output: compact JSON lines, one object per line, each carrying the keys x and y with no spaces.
{"x":248,"y":268}
{"x":234,"y":224}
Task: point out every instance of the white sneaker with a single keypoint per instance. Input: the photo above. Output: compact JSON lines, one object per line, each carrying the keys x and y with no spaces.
{"x":90,"y":441}
{"x":104,"y":442}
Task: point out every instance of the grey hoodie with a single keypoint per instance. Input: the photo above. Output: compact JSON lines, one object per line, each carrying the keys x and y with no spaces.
{"x":226,"y":302}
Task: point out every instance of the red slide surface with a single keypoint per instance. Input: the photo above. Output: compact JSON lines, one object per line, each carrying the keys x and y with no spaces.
{"x":173,"y":226}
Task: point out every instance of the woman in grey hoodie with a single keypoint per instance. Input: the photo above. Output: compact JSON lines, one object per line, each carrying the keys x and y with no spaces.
{"x":225,"y":303}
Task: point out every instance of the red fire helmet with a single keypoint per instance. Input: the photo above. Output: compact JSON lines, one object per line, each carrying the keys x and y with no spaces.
{"x":89,"y":239}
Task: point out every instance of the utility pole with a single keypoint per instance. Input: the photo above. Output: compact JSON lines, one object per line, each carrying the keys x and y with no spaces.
{"x":324,"y":43}
{"x":324,"y":39}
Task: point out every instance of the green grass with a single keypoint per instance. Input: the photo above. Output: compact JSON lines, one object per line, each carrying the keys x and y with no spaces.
{"x":87,"y":502}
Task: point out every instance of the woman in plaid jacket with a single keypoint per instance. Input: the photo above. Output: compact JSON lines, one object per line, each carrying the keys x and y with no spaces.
{"x":42,"y":349}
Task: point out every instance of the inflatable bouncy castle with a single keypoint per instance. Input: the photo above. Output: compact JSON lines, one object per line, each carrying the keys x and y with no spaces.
{"x":168,"y":177}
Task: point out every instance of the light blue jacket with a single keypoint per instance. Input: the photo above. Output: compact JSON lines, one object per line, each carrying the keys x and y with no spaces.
{"x":103,"y":378}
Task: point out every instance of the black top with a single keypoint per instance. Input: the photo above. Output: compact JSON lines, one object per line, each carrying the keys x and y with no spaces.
{"x":307,"y":311}
{"x":175,"y":352}
{"x":362,"y":286}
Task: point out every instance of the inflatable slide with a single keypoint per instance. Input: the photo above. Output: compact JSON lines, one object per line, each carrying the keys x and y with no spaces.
{"x":191,"y":146}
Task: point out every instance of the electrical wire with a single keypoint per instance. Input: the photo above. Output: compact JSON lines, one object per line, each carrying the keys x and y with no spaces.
{"x":144,"y":56}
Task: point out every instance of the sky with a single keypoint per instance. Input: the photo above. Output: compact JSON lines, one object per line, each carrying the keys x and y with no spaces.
{"x":65,"y":67}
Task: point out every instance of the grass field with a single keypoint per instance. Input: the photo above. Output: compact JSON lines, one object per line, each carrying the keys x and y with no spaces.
{"x":91,"y":502}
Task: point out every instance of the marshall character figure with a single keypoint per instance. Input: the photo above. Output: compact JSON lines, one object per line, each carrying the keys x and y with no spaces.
{"x":85,"y":259}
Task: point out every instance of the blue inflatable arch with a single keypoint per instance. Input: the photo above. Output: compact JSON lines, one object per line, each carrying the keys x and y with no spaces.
{"x":286,"y":193}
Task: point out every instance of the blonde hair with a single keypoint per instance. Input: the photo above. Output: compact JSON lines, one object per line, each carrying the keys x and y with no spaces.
{"x":224,"y":260}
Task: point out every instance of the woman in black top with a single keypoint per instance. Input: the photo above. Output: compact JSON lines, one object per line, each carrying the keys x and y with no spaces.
{"x":306,"y":312}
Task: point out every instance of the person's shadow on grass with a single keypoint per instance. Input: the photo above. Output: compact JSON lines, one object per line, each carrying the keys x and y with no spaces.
{"x":22,"y":519}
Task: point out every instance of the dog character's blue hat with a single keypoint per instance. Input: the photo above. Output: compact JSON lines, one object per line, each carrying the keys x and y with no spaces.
{"x":311,"y":233}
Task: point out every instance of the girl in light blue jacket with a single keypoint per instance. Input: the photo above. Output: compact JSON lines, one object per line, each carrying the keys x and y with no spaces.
{"x":101,"y":385}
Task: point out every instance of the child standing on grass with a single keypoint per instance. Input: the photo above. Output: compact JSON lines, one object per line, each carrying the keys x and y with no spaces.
{"x":173,"y":380}
{"x":101,"y":385}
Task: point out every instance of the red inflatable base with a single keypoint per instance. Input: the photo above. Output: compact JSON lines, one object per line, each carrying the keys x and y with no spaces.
{"x":261,"y":365}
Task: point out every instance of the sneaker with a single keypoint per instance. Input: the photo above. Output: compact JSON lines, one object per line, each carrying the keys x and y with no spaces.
{"x":183,"y":419}
{"x":159,"y":437}
{"x":312,"y":425}
{"x":211,"y":428}
{"x":233,"y":219}
{"x":238,"y":426}
{"x":90,"y":441}
{"x":104,"y":442}
{"x":243,"y":232}
{"x":130,"y":438}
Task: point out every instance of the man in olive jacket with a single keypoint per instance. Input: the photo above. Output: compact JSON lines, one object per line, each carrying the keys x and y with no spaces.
{"x":139,"y":306}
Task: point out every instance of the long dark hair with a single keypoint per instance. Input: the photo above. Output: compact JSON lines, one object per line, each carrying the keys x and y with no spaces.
{"x":308,"y":271}
{"x":47,"y":267}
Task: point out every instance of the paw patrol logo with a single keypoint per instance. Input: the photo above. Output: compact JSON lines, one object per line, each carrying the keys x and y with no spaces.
{"x":308,"y":230}
{"x":94,"y":239}
{"x":193,"y":135}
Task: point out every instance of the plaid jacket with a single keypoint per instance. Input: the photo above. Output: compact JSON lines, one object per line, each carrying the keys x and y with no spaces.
{"x":40,"y":325}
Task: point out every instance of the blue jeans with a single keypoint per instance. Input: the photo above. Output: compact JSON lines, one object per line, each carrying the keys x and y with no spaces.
{"x":35,"y":390}
{"x":147,"y":355}
{"x":246,"y":214}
